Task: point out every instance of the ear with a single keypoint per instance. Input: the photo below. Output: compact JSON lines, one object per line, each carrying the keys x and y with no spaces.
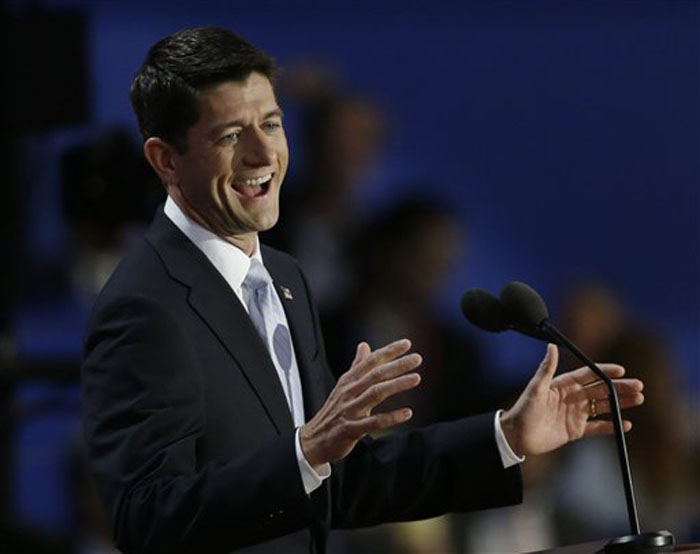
{"x":162,"y":157}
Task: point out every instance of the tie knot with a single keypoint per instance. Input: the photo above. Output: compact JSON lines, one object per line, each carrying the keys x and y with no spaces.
{"x":257,"y":276}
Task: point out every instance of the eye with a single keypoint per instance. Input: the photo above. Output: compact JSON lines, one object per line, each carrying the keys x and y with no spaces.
{"x":230,"y":138}
{"x":271,"y":126}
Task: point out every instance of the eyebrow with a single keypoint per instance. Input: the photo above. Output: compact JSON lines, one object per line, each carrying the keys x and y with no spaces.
{"x":277,"y":112}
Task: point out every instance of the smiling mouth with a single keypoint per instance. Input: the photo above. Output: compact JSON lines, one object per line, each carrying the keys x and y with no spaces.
{"x":253,"y":188}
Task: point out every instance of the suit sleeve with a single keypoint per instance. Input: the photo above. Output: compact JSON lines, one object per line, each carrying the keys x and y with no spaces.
{"x":142,"y":420}
{"x":448,"y":467}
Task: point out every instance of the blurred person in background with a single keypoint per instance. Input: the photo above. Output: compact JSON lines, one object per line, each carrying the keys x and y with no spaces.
{"x":109,"y":192}
{"x":528,"y":527}
{"x":663,"y":449}
{"x":594,"y":318}
{"x":343,"y":137}
{"x":663,"y":456}
{"x":401,"y":259}
{"x":105,"y":189}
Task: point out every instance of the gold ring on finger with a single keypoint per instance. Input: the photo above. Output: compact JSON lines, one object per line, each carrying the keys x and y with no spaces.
{"x":592,"y":409}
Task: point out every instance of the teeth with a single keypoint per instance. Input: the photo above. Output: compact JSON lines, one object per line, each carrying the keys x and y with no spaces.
{"x":254,"y":182}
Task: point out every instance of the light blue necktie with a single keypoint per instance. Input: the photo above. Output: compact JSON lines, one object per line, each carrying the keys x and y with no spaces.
{"x":267,"y":314}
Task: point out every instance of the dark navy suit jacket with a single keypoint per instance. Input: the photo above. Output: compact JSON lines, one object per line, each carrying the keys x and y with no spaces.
{"x":190,"y":437}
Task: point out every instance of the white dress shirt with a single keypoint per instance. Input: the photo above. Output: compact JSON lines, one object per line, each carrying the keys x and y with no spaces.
{"x":233,"y":264}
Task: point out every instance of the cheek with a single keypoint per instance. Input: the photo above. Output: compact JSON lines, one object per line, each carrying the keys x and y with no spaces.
{"x":283,"y":158}
{"x":217,"y":171}
{"x":208,"y":180}
{"x":282,"y":151}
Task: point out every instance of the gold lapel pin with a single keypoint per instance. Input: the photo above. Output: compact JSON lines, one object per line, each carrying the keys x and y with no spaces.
{"x":287,"y":293}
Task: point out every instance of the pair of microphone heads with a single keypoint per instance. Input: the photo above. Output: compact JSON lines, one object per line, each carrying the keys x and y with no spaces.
{"x":520,"y":308}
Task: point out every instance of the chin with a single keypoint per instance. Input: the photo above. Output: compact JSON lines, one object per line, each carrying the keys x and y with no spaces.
{"x":268,"y":220}
{"x":269,"y":225}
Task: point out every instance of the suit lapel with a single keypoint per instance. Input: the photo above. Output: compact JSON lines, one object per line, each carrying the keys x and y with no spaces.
{"x":218,"y":306}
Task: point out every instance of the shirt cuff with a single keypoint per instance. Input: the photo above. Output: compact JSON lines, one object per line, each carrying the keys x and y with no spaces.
{"x":508,"y":457}
{"x":309,"y":477}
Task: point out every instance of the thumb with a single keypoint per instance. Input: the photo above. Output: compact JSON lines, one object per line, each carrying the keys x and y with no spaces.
{"x":363,"y":350}
{"x":548,"y":367}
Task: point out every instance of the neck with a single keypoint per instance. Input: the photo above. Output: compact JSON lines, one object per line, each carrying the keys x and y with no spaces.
{"x":245,"y":241}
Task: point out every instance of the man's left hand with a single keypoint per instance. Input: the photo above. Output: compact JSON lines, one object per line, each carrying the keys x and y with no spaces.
{"x":553,"y":411}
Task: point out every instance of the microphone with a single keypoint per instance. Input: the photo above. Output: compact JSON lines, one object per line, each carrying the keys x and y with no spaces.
{"x":484,"y":310}
{"x":525,"y":308}
{"x":488,"y":313}
{"x":522,"y":309}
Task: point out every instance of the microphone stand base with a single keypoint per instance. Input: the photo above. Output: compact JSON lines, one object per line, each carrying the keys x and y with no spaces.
{"x":643,"y":543}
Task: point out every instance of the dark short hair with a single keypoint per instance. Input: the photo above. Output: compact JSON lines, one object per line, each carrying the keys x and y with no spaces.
{"x":165,"y":91}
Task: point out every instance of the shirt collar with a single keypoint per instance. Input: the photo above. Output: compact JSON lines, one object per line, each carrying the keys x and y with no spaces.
{"x":229,"y":260}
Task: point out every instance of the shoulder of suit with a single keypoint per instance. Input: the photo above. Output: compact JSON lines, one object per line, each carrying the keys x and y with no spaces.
{"x":278,"y":256}
{"x":284,"y":268}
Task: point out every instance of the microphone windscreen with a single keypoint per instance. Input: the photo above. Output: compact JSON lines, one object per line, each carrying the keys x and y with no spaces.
{"x":484,"y":310}
{"x":524,"y":308}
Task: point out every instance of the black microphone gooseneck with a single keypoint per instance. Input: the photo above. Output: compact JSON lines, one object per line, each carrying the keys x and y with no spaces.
{"x":617,"y":423}
{"x":636,"y":541}
{"x":526,"y":308}
{"x":521,"y":309}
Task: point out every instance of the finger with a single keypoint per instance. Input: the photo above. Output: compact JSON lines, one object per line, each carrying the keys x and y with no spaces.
{"x":626,"y":402}
{"x":599,"y":391}
{"x":376,"y":422}
{"x":379,"y":392}
{"x":548,"y":366}
{"x":585,"y":376}
{"x":363,"y":350}
{"x":621,"y":386}
{"x":385,"y":372}
{"x":382,"y":355}
{"x":602,"y":427}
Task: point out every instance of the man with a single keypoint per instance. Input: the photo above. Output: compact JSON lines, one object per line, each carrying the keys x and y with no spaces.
{"x":210,"y":415}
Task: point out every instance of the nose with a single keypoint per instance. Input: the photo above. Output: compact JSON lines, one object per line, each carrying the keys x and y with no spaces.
{"x":259,"y":149}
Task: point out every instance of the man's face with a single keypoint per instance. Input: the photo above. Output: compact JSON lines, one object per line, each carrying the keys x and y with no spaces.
{"x":230,"y":176}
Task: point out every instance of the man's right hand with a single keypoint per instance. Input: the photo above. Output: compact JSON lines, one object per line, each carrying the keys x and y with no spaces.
{"x":347,"y":414}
